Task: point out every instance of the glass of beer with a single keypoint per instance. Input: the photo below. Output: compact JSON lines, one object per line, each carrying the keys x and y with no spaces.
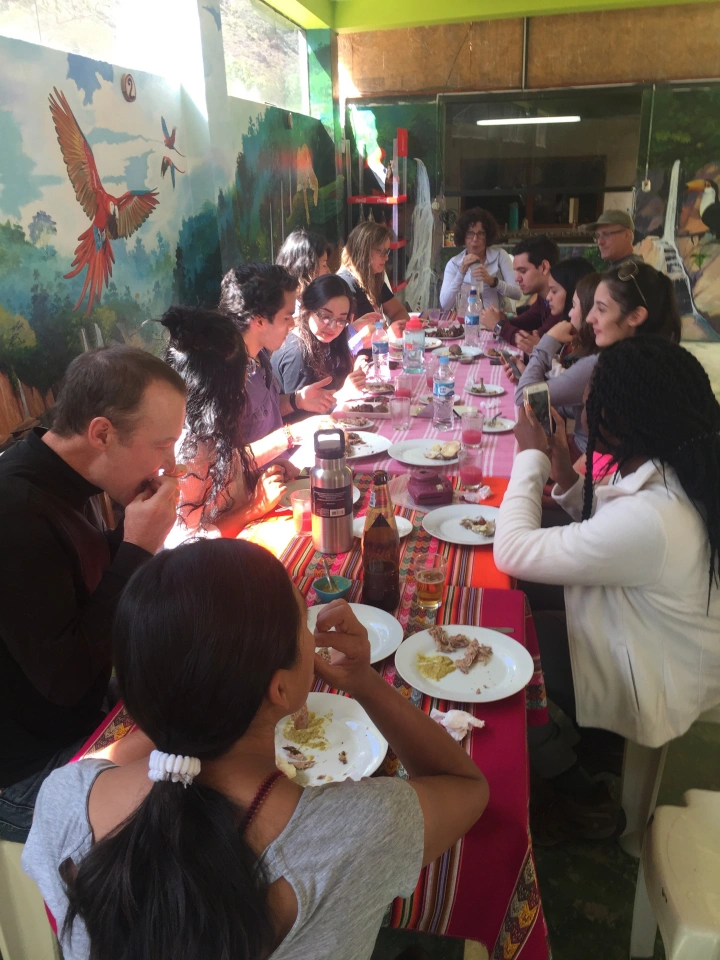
{"x":430,"y":579}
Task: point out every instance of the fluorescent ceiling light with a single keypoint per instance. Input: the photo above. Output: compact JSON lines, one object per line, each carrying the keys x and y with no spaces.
{"x":511,"y":121}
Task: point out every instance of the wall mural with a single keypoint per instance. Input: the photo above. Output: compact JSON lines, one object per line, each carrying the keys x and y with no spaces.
{"x":93,"y":239}
{"x":110,"y":209}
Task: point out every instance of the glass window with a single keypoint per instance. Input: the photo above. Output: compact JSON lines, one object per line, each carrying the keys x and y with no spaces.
{"x":265,"y":55}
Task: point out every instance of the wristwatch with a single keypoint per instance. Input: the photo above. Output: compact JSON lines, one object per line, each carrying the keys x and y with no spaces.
{"x":495,"y":282}
{"x":293,"y":402}
{"x":497,"y":329}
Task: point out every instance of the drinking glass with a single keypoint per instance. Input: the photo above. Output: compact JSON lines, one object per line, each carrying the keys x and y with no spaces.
{"x":301,"y":503}
{"x":430,"y":580}
{"x":470,"y":464}
{"x":472,"y":428}
{"x":404,"y":385}
{"x":431,"y":365}
{"x":400,"y":412}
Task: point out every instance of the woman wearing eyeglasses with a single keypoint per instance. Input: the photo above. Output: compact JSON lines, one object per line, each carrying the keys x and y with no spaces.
{"x":364,"y":259}
{"x":318,"y":346}
{"x":480,"y":263}
{"x":634,"y":299}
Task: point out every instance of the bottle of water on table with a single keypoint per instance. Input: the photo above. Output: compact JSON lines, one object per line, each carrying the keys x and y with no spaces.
{"x":472,"y":319}
{"x":380,"y":353}
{"x":443,"y":395}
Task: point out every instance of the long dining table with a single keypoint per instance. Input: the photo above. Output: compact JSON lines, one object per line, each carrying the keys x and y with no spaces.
{"x":485,"y":888}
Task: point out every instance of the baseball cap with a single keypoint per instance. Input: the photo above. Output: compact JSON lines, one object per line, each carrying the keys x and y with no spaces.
{"x":619,"y":217}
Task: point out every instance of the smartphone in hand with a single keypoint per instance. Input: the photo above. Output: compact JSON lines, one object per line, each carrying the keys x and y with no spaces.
{"x":537,"y":397}
{"x":510,"y":361}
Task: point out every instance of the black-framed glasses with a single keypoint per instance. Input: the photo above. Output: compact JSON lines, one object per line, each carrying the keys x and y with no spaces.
{"x":329,"y":319}
{"x":475,"y":234}
{"x":629,"y":271}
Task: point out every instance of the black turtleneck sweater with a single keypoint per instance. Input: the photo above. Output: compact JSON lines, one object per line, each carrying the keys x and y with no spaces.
{"x":61,"y":574}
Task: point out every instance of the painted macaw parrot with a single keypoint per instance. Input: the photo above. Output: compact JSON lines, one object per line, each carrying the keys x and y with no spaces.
{"x":170,"y":137}
{"x":167,"y":163}
{"x":112,"y":217}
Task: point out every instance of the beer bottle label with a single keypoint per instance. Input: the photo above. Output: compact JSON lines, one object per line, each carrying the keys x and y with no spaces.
{"x":332,"y":503}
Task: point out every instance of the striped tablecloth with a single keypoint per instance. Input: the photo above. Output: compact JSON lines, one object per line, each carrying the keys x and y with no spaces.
{"x":499,"y":449}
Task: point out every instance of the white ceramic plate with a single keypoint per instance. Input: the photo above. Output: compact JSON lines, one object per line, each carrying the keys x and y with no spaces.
{"x":444,"y":523}
{"x":384,"y":631}
{"x":428,"y":398}
{"x":502,"y":425}
{"x":432,"y":342}
{"x":371,"y":445}
{"x":412,"y":452}
{"x":466,"y":352}
{"x":353,"y":421}
{"x":349,"y":730}
{"x":508,"y":671}
{"x":305,"y":485}
{"x":490,"y":390}
{"x":404,"y":527}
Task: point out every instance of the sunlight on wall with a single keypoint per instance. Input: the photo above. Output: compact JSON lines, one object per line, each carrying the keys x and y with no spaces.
{"x":149,"y":35}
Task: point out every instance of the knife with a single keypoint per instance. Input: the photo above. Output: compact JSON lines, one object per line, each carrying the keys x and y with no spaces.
{"x":501,"y":629}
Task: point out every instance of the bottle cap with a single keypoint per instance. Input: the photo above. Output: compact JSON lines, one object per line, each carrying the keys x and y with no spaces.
{"x":444,"y":360}
{"x":378,"y":324}
{"x":413,"y":324}
{"x":473,"y":292}
{"x":380,"y":477}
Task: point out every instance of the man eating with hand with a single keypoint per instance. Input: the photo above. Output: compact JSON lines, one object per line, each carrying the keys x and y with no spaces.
{"x":115,"y":423}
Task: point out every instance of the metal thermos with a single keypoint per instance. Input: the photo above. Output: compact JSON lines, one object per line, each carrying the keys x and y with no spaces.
{"x":331,"y":494}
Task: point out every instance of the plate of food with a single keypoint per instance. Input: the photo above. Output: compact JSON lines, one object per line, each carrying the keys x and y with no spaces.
{"x":353,"y":421}
{"x":359,"y":444}
{"x":486,"y":390}
{"x":468,"y":524}
{"x":428,"y":398}
{"x":331,"y":739}
{"x":404,"y":527}
{"x":378,"y":388}
{"x":372,"y":407}
{"x":432,"y":342}
{"x":464,"y":664}
{"x":430,"y":331}
{"x":451,"y":331}
{"x":384,"y":631}
{"x":457,"y":351}
{"x":305,"y":485}
{"x":425,"y":453}
{"x":498,"y":424}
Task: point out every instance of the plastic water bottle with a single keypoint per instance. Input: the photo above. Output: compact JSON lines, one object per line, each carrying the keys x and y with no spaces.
{"x":414,"y":347}
{"x":380,"y":353}
{"x":443,"y":395}
{"x":472,"y":319}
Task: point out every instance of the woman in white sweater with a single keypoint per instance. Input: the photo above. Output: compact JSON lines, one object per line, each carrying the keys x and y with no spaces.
{"x":480,"y":265}
{"x":640,"y":565}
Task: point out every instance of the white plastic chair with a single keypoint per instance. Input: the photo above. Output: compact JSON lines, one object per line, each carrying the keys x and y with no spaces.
{"x":679,"y":881}
{"x":641,"y":775}
{"x":25,"y":932}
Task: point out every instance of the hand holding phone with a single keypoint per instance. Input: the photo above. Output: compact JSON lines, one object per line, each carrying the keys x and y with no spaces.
{"x":537,"y":398}
{"x":510,"y":361}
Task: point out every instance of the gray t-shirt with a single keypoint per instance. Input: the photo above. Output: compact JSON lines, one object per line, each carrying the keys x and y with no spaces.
{"x":348,"y":850}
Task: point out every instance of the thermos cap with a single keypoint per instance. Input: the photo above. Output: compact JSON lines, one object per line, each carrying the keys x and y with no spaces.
{"x":330,"y":444}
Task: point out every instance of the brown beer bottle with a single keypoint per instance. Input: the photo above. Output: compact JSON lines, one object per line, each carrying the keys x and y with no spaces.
{"x":381,"y":548}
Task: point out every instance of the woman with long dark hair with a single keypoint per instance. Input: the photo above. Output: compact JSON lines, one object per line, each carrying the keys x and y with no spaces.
{"x":223,"y":489}
{"x":318,"y":346}
{"x":567,"y":353}
{"x":304,"y":254}
{"x":205,"y":851}
{"x":634,"y":299}
{"x":634,"y":646}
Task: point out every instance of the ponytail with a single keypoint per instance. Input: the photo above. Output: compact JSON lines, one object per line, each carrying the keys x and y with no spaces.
{"x":199,"y":633}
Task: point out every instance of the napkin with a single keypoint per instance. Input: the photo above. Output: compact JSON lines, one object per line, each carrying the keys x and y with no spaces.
{"x":456,"y":722}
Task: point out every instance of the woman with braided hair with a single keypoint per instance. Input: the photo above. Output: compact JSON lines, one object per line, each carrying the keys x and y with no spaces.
{"x":634,"y":648}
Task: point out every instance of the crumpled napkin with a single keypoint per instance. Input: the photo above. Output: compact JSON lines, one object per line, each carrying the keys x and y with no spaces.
{"x":456,"y":722}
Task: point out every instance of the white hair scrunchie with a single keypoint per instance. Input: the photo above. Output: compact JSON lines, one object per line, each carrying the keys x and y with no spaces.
{"x":171,"y":766}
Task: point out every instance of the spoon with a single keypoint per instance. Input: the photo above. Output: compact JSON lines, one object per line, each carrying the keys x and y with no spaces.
{"x":331,"y":586}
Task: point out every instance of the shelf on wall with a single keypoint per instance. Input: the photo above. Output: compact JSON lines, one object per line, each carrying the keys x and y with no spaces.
{"x":385,"y":201}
